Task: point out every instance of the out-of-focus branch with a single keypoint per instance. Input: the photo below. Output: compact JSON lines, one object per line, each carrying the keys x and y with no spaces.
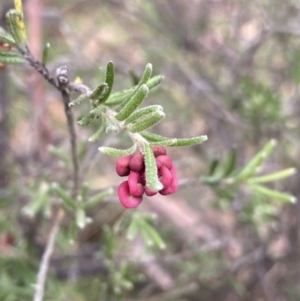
{"x":44,"y":265}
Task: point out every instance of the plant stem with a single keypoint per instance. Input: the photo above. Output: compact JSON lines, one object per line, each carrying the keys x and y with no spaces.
{"x":44,"y":265}
{"x":73,"y":139}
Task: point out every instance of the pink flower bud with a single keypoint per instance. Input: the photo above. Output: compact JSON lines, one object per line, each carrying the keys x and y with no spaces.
{"x":122,"y":166}
{"x":159,"y":151}
{"x":174,"y":183}
{"x":137,"y":163}
{"x":165,"y":176}
{"x":125,"y":198}
{"x":164,"y":160}
{"x":136,"y":189}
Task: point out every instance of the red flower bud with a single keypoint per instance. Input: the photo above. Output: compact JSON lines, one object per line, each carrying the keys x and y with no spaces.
{"x":137,"y":162}
{"x":122,"y":166}
{"x":159,"y":151}
{"x":174,"y":183}
{"x":125,"y":198}
{"x":136,"y":189}
{"x":165,"y":176}
{"x":164,"y":160}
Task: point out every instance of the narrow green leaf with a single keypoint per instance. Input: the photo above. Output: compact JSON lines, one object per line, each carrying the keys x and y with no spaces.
{"x":99,"y":91}
{"x":273,"y":194}
{"x":146,"y":122}
{"x":133,"y":103}
{"x":153,"y":137}
{"x":46,"y":54}
{"x":16,"y":26}
{"x":80,"y":218}
{"x":86,"y":120}
{"x":117,"y":152}
{"x":229,"y":164}
{"x":145,"y":234}
{"x":142,"y":112}
{"x":84,"y":191}
{"x":273,"y":176}
{"x":168,"y":142}
{"x":98,"y":198}
{"x":190,"y":141}
{"x":120,"y":97}
{"x":67,"y":200}
{"x":61,"y":154}
{"x":36,"y":205}
{"x":79,"y":100}
{"x":110,"y":76}
{"x":213,"y":166}
{"x":256,"y":161}
{"x":98,"y":110}
{"x":154,"y":81}
{"x":12,"y":59}
{"x":132,"y":230}
{"x":9,"y":53}
{"x":154,"y":235}
{"x":5,"y":37}
{"x":146,"y":75}
{"x":152,"y":180}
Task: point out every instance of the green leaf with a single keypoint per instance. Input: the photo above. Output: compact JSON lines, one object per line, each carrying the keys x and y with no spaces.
{"x":142,"y":112}
{"x":154,"y":81}
{"x":81,"y":220}
{"x":9,"y":53}
{"x":117,"y":152}
{"x":146,"y":122}
{"x":153,"y":137}
{"x":133,"y":103}
{"x":6,"y":38}
{"x":190,"y":141}
{"x":16,"y":26}
{"x":84,"y":191}
{"x":154,"y":235}
{"x":110,"y":75}
{"x":98,"y":198}
{"x":120,"y":97}
{"x":229,"y":164}
{"x":152,"y":180}
{"x":213,"y":166}
{"x":273,"y":176}
{"x":36,"y":205}
{"x":86,"y":120}
{"x":273,"y":194}
{"x":132,"y":229}
{"x":79,"y":100}
{"x":61,"y":154}
{"x":145,"y":235}
{"x":46,"y":54}
{"x":12,"y":59}
{"x":99,"y":91}
{"x":168,"y":142}
{"x":67,"y":200}
{"x":251,"y":167}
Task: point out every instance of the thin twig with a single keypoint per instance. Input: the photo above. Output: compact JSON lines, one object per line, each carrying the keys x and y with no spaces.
{"x":73,"y":138}
{"x":44,"y":265}
{"x":61,"y":84}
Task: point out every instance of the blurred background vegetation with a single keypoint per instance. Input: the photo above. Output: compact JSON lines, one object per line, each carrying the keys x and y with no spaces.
{"x":231,"y":70}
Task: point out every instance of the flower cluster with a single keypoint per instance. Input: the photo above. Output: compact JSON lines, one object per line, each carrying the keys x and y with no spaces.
{"x":131,"y":191}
